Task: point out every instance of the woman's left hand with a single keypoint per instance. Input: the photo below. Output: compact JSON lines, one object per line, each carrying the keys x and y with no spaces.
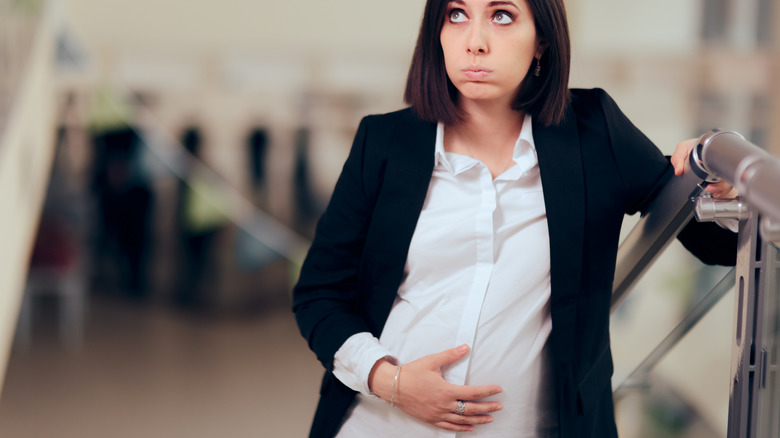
{"x":681,"y":165}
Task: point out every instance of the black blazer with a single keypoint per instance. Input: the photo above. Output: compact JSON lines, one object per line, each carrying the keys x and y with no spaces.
{"x":595,"y":167}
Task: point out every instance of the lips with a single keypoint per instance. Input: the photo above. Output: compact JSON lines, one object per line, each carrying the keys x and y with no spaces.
{"x":476,"y":73}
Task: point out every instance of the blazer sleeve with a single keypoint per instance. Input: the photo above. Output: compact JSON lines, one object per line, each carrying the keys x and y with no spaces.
{"x":324,"y":297}
{"x":644,"y":171}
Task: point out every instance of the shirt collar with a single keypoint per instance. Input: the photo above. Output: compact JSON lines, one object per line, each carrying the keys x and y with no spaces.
{"x":524,"y":154}
{"x":440,"y":158}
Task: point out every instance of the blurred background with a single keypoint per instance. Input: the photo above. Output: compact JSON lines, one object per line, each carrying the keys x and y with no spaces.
{"x":163,"y":164}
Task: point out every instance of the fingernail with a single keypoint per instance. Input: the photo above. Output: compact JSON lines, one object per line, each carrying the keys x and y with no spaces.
{"x":463,"y":348}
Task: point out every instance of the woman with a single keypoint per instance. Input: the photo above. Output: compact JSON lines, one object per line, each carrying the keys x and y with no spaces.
{"x":460,"y":278}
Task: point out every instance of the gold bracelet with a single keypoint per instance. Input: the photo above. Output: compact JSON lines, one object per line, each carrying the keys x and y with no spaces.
{"x":395,"y":381}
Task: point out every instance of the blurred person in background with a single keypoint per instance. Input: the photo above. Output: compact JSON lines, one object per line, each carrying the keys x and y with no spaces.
{"x":125,"y":201}
{"x":306,"y":209}
{"x":461,"y":276}
{"x":257,"y":143}
{"x":200,"y":224}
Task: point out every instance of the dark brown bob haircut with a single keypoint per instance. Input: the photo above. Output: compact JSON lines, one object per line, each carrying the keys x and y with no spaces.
{"x":434,"y":98}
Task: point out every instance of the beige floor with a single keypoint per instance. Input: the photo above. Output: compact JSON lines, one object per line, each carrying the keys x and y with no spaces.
{"x":151,"y":371}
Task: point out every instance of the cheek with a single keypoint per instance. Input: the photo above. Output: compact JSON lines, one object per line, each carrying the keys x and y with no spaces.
{"x":446,"y":48}
{"x":524,"y":57}
{"x":449,"y":59}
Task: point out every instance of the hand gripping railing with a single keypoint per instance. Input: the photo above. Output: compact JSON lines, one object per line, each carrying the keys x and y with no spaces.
{"x":754,"y":403}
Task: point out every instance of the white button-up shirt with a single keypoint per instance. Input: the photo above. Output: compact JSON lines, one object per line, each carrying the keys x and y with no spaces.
{"x":477,"y":273}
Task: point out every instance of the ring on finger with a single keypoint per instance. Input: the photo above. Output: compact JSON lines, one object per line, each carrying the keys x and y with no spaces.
{"x":461,"y":409}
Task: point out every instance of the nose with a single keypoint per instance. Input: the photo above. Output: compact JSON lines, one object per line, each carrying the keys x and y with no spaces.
{"x":477,"y":42}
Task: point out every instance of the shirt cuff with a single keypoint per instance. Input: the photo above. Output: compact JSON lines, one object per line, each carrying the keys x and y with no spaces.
{"x":353,"y":362}
{"x":728,"y":224}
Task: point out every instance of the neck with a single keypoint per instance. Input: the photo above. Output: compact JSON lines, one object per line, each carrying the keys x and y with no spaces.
{"x":490,"y":121}
{"x":488,"y":134}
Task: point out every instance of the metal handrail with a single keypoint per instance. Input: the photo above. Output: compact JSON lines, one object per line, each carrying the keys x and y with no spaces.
{"x":753,"y":171}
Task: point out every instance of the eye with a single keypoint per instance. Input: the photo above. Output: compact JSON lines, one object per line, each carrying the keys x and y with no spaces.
{"x":457,"y":16}
{"x":503,"y":17}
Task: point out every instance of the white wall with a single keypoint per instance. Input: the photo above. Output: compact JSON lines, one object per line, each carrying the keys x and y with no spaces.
{"x":260,"y":26}
{"x":634,"y":27}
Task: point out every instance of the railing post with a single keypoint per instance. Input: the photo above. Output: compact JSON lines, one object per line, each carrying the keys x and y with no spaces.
{"x":769,"y":390}
{"x":745,"y":342}
{"x":754,"y":395}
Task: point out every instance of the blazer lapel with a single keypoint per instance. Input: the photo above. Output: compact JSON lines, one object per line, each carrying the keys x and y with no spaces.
{"x":560,"y":166}
{"x":410,"y":166}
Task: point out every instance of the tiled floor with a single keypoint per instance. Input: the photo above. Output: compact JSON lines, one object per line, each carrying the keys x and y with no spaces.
{"x":152,"y":371}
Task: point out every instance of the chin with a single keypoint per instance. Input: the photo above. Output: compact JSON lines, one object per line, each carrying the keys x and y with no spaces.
{"x":480,"y":93}
{"x":482,"y":97}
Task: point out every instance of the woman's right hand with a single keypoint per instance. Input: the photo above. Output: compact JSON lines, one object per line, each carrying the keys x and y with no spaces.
{"x":422,"y":392}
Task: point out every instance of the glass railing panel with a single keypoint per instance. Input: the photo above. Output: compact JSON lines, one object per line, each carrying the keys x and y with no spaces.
{"x":670,"y":405}
{"x":684,"y":377}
